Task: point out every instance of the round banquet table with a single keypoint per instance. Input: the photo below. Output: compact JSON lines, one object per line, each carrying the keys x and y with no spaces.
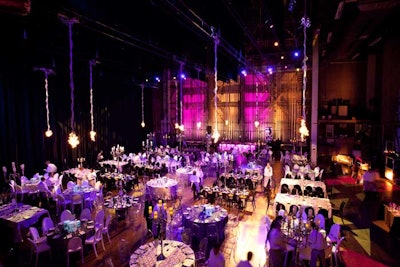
{"x":162,"y":188}
{"x":194,"y":215}
{"x":176,"y":254}
{"x":183,"y":174}
{"x":120,"y":204}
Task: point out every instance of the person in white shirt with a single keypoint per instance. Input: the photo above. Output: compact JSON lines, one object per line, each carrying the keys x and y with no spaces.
{"x":195,"y":184}
{"x":317,"y":243}
{"x":216,"y":259}
{"x":268,"y":172}
{"x":246,"y":263}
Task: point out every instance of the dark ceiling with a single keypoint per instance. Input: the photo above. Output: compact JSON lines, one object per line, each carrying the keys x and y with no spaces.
{"x":144,"y":36}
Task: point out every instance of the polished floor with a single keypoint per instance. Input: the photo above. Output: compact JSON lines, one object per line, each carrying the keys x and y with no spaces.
{"x":368,"y":241}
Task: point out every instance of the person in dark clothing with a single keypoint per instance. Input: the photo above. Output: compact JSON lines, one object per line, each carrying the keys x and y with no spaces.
{"x":148,"y":202}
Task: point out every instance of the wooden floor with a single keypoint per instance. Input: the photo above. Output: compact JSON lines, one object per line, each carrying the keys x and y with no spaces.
{"x":250,"y":233}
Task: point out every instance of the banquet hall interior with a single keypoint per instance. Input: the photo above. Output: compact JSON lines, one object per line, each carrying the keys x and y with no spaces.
{"x":138,"y":134}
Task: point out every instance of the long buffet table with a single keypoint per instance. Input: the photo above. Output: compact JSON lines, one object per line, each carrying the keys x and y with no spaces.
{"x":303,"y":201}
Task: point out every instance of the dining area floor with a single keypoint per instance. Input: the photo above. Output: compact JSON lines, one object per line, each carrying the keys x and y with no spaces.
{"x":367,"y":238}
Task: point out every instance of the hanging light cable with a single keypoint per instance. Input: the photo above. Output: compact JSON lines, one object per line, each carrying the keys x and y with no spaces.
{"x":305,"y":21}
{"x":92,"y":133}
{"x":46,"y":72}
{"x":142,"y":123}
{"x":216,"y":134}
{"x":256,"y":122}
{"x":199,"y":114}
{"x":73,"y":139}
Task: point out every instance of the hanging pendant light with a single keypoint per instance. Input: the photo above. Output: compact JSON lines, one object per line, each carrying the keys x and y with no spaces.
{"x":305,"y":21}
{"x":73,"y":139}
{"x":142,"y":123}
{"x":215,"y":134}
{"x":47,"y":72}
{"x":92,"y":133}
{"x":256,"y":122}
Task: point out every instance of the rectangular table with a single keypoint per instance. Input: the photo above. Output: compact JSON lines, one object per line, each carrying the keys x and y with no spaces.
{"x":18,"y":217}
{"x":316,"y":203}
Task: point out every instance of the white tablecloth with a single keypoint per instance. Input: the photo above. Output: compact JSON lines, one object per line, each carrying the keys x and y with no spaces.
{"x":162,"y":188}
{"x":118,"y":164}
{"x":175,"y":252}
{"x":314,"y":202}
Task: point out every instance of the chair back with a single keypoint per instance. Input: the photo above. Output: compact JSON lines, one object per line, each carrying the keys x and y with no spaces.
{"x":203,"y":245}
{"x":47,"y":224}
{"x":70,"y":185}
{"x":74,"y":244}
{"x":66,"y":215}
{"x":99,"y":219}
{"x":108,"y":221}
{"x":34,"y":233}
{"x":86,"y":214}
{"x":334,"y":232}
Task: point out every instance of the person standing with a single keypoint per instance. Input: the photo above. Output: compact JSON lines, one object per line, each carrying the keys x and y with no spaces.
{"x":268,"y":172}
{"x":317,"y":243}
{"x":277,"y":243}
{"x":216,"y":259}
{"x":195,"y":184}
{"x":246,"y":263}
{"x":146,"y":212}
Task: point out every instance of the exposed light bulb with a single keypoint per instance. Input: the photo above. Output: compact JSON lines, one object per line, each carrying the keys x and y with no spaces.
{"x":216,"y":136}
{"x":226,"y":122}
{"x":256,"y":123}
{"x":73,"y":140}
{"x":143,"y":124}
{"x":198,"y":124}
{"x":48,"y":133}
{"x":92,"y":135}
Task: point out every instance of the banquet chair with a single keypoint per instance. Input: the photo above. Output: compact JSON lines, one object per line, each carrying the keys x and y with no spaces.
{"x":66,"y":215}
{"x":285,"y":189}
{"x":75,"y":245}
{"x":61,"y":203}
{"x":106,"y":227}
{"x":99,"y":218}
{"x":47,"y":224}
{"x":186,"y":236}
{"x":86,"y":214}
{"x":36,"y":237}
{"x":212,"y":233}
{"x":70,"y":185}
{"x":336,"y":252}
{"x":334,"y":233}
{"x":85,"y":183}
{"x":319,"y":176}
{"x":287,"y":172}
{"x":76,"y":200}
{"x":201,"y":254}
{"x":252,"y":199}
{"x":90,"y":199}
{"x":38,"y":248}
{"x":96,"y":238}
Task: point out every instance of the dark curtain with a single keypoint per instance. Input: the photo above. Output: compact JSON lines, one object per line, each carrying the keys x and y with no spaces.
{"x":29,"y":42}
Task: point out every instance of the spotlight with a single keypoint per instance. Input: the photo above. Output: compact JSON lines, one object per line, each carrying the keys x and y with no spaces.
{"x":157,"y":79}
{"x":276,"y":44}
{"x":183,"y":76}
{"x":296,"y":54}
{"x":244,"y":73}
